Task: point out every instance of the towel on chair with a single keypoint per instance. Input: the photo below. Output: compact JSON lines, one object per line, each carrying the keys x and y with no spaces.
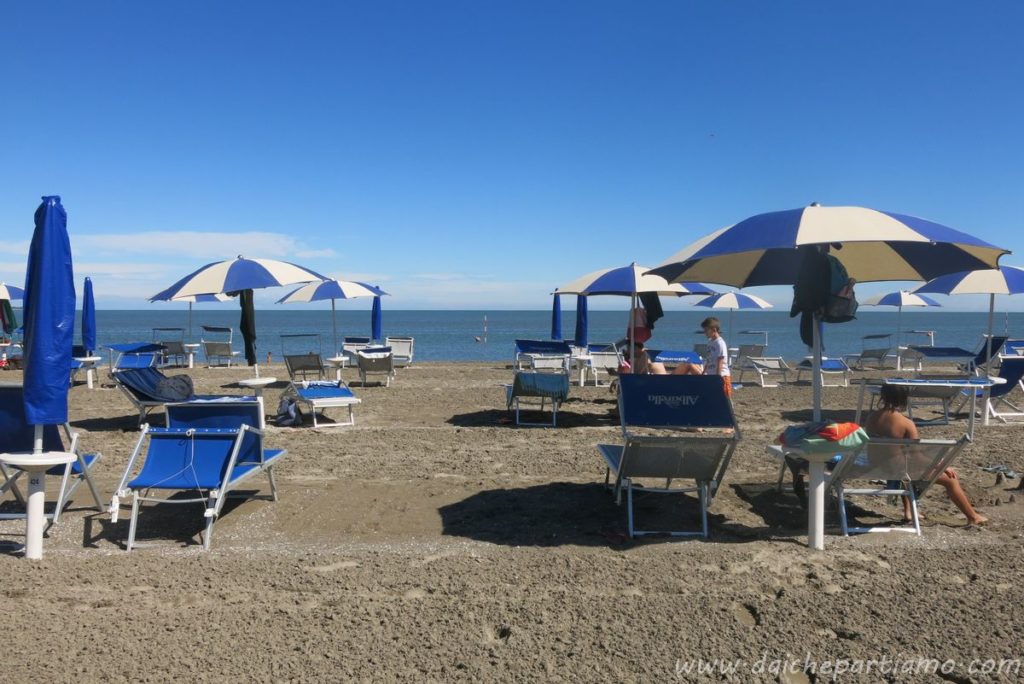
{"x":548,"y":385}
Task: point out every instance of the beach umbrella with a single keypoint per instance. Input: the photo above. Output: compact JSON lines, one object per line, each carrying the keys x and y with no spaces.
{"x":332,"y":290}
{"x":874,"y":246}
{"x":49,"y":334}
{"x":629,"y":281}
{"x":234,"y":276}
{"x":900,"y":299}
{"x":376,"y":320}
{"x":733,"y":301}
{"x":1007,"y":280}
{"x":10,"y":292}
{"x":88,"y":318}
{"x":247,"y":324}
{"x":581,"y":321}
{"x":556,"y":317}
{"x":192,"y":299}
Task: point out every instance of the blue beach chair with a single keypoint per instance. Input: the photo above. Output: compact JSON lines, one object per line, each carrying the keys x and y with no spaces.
{"x":143,"y":387}
{"x":320,"y":395}
{"x":656,"y":412}
{"x":16,"y":435}
{"x":134,"y":355}
{"x":210,"y":448}
{"x":997,"y":406}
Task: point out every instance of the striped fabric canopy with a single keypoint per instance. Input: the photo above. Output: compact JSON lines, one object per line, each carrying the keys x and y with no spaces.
{"x":10,"y":292}
{"x":235,"y":275}
{"x":629,"y":280}
{"x":1002,"y":280}
{"x":192,"y":299}
{"x":734,"y":300}
{"x":875,"y":246}
{"x":331,"y":289}
{"x":900,"y":299}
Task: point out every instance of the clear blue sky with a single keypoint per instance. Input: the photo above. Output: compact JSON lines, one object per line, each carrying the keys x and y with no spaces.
{"x":478,"y":154}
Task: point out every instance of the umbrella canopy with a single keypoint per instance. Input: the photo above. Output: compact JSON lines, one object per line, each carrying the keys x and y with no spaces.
{"x":876,"y":245}
{"x":192,"y":299}
{"x":1008,"y":280}
{"x":332,"y":290}
{"x":88,"y":317}
{"x":581,"y":321}
{"x":556,"y":317}
{"x":900,"y":299}
{"x":10,"y":292}
{"x":376,"y":320}
{"x":49,"y":317}
{"x":629,"y":280}
{"x":733,"y":301}
{"x":235,"y":275}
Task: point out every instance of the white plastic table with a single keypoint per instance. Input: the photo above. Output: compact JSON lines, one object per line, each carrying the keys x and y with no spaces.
{"x":89,"y":364}
{"x":920,"y":387}
{"x":190,"y":350}
{"x":257,"y":384}
{"x":338,"y":362}
{"x":815,"y":490}
{"x":582,"y":362}
{"x":35,"y":466}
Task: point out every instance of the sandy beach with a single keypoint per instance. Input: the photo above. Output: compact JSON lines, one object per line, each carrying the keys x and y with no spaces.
{"x":436,"y":540}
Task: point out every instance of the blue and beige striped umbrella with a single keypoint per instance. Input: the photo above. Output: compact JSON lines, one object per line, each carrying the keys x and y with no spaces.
{"x":1007,"y":280}
{"x":900,"y":299}
{"x":733,"y":301}
{"x":235,"y":275}
{"x":10,"y":292}
{"x":629,"y":280}
{"x":332,"y":290}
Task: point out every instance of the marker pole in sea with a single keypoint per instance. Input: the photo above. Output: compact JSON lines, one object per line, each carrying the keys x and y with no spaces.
{"x":485,"y":327}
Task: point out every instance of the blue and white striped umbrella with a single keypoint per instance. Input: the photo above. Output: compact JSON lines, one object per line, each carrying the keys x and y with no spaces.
{"x":627,"y":281}
{"x":332,"y":290}
{"x":235,"y":275}
{"x":1007,"y":280}
{"x":193,"y":299}
{"x":875,"y":246}
{"x":900,"y":299}
{"x":10,"y":292}
{"x":733,"y":301}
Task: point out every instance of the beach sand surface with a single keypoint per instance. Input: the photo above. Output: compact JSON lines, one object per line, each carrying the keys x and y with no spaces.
{"x":435,"y":540}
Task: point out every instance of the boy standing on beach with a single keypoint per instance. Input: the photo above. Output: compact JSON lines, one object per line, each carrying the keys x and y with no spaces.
{"x":716,"y":360}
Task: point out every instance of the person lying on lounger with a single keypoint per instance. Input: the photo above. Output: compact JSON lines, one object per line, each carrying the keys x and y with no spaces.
{"x":889,"y":421}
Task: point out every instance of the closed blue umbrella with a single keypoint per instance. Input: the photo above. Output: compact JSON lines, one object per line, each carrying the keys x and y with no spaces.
{"x":581,"y":321}
{"x":88,"y":318}
{"x":556,"y":317}
{"x":375,"y":319}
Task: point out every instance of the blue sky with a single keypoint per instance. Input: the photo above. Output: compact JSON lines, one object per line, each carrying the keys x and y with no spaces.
{"x":479,"y":154}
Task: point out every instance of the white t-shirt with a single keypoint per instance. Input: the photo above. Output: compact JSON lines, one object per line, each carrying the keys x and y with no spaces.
{"x":717,"y":349}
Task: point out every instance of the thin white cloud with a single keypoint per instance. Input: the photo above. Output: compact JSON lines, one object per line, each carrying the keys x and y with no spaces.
{"x":211,"y":246}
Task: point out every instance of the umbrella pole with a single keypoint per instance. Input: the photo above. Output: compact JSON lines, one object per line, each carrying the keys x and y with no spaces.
{"x":632,"y":350}
{"x":334,"y":323}
{"x":190,"y":321}
{"x":899,"y":335}
{"x":988,"y":342}
{"x":816,"y":369}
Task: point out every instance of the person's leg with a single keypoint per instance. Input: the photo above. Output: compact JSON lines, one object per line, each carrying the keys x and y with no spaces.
{"x":656,"y":368}
{"x":956,"y":494}
{"x":688,"y":369}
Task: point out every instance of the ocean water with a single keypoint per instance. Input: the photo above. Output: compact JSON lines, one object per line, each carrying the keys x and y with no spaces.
{"x":451,"y":335}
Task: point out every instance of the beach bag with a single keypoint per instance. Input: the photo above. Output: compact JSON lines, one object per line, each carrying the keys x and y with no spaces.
{"x":842,"y":302}
{"x":175,"y":388}
{"x":288,"y":414}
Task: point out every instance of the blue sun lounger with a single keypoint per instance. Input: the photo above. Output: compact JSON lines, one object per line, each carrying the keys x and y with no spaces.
{"x":142,"y":386}
{"x":16,"y":435}
{"x":656,"y":412}
{"x":209,"y":449}
{"x":319,"y":395}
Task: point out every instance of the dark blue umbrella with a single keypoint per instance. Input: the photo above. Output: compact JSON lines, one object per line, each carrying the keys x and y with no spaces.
{"x":556,"y":317}
{"x":49,"y":317}
{"x":581,"y":321}
{"x":375,"y":319}
{"x":88,"y":318}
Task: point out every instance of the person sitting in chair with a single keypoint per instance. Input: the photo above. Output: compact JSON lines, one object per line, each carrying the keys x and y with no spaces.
{"x":889,"y":421}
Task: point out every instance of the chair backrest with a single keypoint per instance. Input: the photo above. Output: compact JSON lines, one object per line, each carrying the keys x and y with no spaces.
{"x":1011,"y":370}
{"x":876,"y":341}
{"x":184,"y":459}
{"x":546,"y":362}
{"x":216,"y":348}
{"x":15,"y":432}
{"x":143,"y":383}
{"x":173,"y":347}
{"x":531,"y":384}
{"x":305,"y":365}
{"x":356,"y":340}
{"x":674,"y":401}
{"x":220,"y":414}
{"x":547,"y":347}
{"x":920,"y":461}
{"x":1011,"y":346}
{"x":983,"y":354}
{"x":605,"y":360}
{"x":770,"y":363}
{"x":749,"y":350}
{"x":375,"y":359}
{"x":400,"y":346}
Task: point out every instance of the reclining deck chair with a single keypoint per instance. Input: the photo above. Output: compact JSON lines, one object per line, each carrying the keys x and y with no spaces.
{"x":144,"y":387}
{"x":997,"y":405}
{"x":531,"y":385}
{"x":320,"y":395}
{"x":982,"y":358}
{"x":873,"y":353}
{"x":305,"y":365}
{"x":906,"y":467}
{"x":376,"y":361}
{"x":526,"y":349}
{"x":605,"y":361}
{"x":209,"y":448}
{"x":655,"y":410}
{"x":765,"y":367}
{"x":402,"y":348}
{"x":16,"y":435}
{"x":134,"y":355}
{"x":218,"y":352}
{"x":828,"y":367}
{"x":172,"y":349}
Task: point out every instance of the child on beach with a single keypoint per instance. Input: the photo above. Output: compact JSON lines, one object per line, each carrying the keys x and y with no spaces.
{"x":716,"y":359}
{"x":889,"y":421}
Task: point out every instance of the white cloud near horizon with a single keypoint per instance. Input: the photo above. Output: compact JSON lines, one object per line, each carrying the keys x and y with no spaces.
{"x":212,"y":246}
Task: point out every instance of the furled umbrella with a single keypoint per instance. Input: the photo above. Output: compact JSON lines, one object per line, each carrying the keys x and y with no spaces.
{"x":49,"y":334}
{"x":900,"y":299}
{"x":580,"y":337}
{"x":376,"y":320}
{"x":234,"y":276}
{"x":1007,"y":280}
{"x":769,"y":249}
{"x":556,"y":317}
{"x":88,"y":318}
{"x":332,"y":290}
{"x":733,"y":301}
{"x":628,"y":281}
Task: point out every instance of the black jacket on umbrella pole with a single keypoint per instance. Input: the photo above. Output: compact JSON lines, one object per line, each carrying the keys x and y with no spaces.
{"x":247,"y":324}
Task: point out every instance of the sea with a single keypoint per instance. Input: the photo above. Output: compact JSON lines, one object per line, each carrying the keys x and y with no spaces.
{"x":449,"y":335}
